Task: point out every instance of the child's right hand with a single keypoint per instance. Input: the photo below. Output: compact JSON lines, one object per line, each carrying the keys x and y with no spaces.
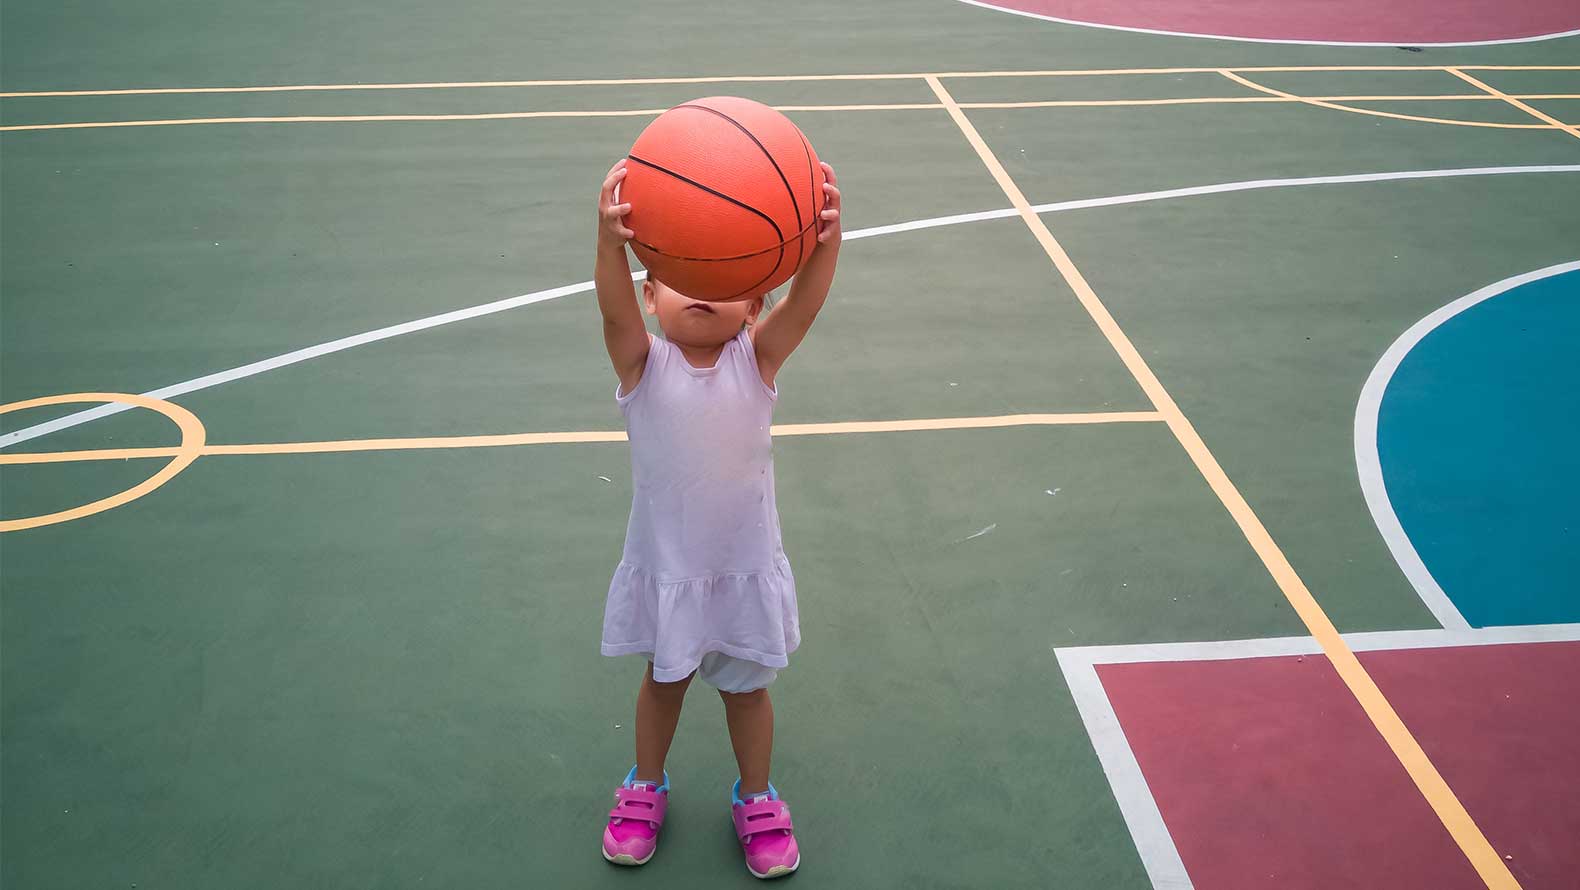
{"x":611,"y":216}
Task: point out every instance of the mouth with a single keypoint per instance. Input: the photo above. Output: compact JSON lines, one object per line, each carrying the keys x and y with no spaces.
{"x":701,"y":307}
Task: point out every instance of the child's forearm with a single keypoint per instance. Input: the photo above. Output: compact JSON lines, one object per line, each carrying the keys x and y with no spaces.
{"x":811,"y":285}
{"x":616,"y":294}
{"x":810,"y":288}
{"x":787,"y":324}
{"x":624,"y":334}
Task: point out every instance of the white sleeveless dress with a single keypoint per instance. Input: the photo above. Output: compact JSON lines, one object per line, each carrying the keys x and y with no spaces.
{"x":703,"y":568}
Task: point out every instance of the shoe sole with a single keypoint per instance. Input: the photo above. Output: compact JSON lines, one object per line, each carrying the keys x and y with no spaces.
{"x":777,"y":871}
{"x":628,"y":859}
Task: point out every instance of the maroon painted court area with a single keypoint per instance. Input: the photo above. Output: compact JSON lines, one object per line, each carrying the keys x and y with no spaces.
{"x":1399,"y":22}
{"x":1267,"y":772}
{"x":1502,"y":724}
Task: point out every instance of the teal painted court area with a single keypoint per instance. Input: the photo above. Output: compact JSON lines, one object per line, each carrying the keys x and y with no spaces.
{"x":1478,"y":436}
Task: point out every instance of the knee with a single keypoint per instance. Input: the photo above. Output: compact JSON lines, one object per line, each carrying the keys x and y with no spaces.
{"x":675,"y":690}
{"x":754,"y":699}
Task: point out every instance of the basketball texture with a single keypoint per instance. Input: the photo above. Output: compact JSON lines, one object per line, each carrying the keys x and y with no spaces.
{"x":724,"y":196}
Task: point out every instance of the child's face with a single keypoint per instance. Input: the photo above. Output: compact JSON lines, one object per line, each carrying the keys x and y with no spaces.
{"x":694,"y":322}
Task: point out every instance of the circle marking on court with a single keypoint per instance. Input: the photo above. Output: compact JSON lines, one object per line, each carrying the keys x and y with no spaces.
{"x":193,"y":437}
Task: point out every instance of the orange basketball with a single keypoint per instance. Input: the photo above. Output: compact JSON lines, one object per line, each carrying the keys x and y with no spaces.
{"x":724,"y":196}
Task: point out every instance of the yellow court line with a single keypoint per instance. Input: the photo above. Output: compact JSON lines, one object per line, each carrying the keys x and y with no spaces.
{"x":1494,"y":872}
{"x":1515,"y":101}
{"x":490,"y":116}
{"x":1324,"y":101}
{"x":466,"y":85}
{"x":876,"y":106}
{"x":965,"y":423}
{"x":567,"y":438}
{"x":326,"y":118}
{"x":751,"y":78}
{"x":1320,"y":103}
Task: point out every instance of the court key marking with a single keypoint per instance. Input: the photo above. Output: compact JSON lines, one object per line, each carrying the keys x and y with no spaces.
{"x":1488,"y":864}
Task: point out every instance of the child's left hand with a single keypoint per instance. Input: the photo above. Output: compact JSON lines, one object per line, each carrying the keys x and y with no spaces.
{"x":828,"y":231}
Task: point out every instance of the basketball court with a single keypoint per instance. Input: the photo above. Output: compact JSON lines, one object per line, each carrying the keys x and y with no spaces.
{"x":1178,"y":479}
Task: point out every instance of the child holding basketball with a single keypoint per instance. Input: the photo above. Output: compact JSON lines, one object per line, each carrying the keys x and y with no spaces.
{"x":703,"y":586}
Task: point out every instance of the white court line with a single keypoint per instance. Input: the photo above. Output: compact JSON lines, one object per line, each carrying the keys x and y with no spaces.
{"x":1048,"y":18}
{"x":1159,"y":856}
{"x":1372,"y":641}
{"x":300,"y":355}
{"x":1215,"y":189}
{"x":1369,"y":466}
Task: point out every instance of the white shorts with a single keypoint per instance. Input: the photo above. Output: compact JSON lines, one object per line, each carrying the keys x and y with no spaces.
{"x":727,"y":673}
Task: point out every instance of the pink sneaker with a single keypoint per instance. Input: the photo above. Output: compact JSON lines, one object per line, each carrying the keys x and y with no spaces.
{"x":631,"y":836}
{"x":767,"y":837}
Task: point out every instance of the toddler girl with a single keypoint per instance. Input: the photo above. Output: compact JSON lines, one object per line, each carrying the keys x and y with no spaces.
{"x":703,"y":585}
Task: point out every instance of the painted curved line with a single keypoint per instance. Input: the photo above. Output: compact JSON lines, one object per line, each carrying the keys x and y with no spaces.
{"x":1369,"y":466}
{"x":1134,"y":30}
{"x":1321,"y":103}
{"x":193,"y":438}
{"x":310,"y":352}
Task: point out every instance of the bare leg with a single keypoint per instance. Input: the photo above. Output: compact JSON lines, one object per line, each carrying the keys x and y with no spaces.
{"x":750,"y":716}
{"x":657,"y":715}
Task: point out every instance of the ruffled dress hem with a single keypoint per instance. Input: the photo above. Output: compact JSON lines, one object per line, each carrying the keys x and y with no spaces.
{"x":672,"y":675}
{"x":747,"y":615}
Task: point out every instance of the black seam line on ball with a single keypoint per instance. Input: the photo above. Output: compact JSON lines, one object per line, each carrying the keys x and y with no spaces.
{"x":725,"y":259}
{"x":777,"y":231}
{"x":794,"y":204}
{"x":715,"y":192}
{"x":811,"y":178}
{"x":783,"y":179}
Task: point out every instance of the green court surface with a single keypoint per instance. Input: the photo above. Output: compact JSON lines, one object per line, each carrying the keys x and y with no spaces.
{"x":379,"y":667}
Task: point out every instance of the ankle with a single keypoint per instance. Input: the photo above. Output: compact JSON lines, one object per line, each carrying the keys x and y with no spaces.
{"x":757,"y":788}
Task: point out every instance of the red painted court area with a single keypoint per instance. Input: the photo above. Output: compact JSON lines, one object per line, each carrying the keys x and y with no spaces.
{"x":1267,"y":772}
{"x":1402,"y":22}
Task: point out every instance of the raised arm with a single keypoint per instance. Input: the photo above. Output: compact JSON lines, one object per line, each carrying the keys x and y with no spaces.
{"x":778,"y":335}
{"x":624,"y":334}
